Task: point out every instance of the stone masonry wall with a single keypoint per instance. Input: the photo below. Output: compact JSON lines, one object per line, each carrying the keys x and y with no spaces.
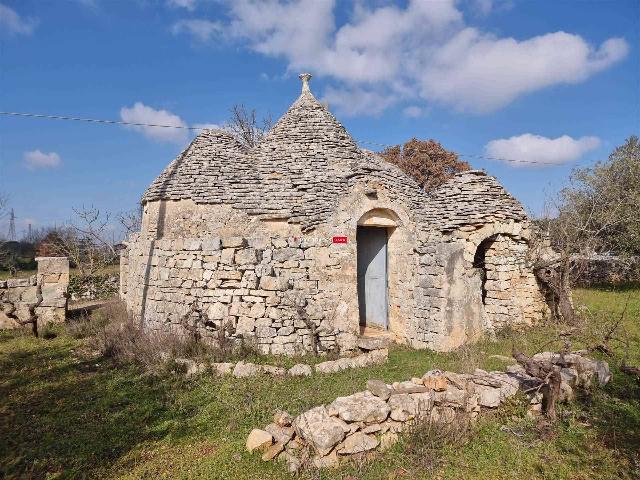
{"x":512,"y":293}
{"x":449,"y":308}
{"x":254,"y":286}
{"x":52,"y":281}
{"x":322,"y":272}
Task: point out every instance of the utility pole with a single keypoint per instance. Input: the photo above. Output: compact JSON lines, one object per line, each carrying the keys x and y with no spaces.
{"x":12,"y":226}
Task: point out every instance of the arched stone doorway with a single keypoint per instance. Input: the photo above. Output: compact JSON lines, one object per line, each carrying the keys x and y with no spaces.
{"x":372,"y":238}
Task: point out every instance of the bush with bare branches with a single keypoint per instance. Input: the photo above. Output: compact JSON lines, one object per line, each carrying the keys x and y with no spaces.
{"x":245,"y":126}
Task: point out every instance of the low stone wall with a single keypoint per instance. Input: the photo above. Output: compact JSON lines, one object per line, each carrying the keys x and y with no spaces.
{"x":51,"y":283}
{"x":600,"y":269}
{"x":244,"y":369}
{"x":94,"y":287}
{"x":372,"y":419}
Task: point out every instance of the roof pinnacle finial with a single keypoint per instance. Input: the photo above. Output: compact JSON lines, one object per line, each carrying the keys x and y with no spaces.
{"x":305,"y":77}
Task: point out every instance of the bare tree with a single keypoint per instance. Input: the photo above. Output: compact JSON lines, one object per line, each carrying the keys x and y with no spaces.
{"x":5,"y":254}
{"x":246,"y":127}
{"x":131,"y":220}
{"x":88,"y":242}
{"x":593,"y":214}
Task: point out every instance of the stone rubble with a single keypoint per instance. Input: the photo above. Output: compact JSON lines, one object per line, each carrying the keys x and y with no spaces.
{"x":372,"y":419}
{"x":244,"y":369}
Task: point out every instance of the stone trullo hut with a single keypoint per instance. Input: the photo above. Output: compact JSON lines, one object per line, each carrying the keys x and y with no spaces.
{"x":307,"y":237}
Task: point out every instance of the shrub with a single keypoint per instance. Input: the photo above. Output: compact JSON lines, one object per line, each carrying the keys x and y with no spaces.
{"x":115,"y":334}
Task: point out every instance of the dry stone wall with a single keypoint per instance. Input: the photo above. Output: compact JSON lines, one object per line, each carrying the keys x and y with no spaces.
{"x":601,"y":269}
{"x":264,"y":289}
{"x":372,"y":419}
{"x":51,"y":283}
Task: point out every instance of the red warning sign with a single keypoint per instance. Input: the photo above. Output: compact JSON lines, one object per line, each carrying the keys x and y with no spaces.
{"x":339,"y":239}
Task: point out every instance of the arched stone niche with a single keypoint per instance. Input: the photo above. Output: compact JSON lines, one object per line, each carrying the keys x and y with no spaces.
{"x":509,"y":292}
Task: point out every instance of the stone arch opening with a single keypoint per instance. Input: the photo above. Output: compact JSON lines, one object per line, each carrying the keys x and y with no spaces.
{"x":480,"y":263}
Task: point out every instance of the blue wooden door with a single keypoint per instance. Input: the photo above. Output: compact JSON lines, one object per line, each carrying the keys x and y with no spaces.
{"x":372,"y":276}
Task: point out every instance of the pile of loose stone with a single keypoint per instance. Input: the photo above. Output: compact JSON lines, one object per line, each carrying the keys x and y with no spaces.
{"x":373,"y":351}
{"x":372,"y":419}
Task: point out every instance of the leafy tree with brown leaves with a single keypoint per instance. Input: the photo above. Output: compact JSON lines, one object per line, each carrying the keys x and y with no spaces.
{"x":425,"y":160}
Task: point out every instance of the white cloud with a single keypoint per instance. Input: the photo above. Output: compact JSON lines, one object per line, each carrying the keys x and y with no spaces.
{"x":535,"y":148}
{"x":357,"y":101}
{"x":483,"y":7}
{"x":412,"y":111}
{"x":424,"y":50}
{"x":201,"y":30}
{"x":482,"y":73}
{"x":36,"y":159}
{"x":13,"y":24}
{"x":188,"y":4}
{"x":141,"y":113}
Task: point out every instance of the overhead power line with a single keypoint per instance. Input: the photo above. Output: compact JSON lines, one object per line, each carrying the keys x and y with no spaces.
{"x":96,"y":120}
{"x":186,"y":127}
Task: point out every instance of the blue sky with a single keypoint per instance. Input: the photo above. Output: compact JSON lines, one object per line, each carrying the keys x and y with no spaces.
{"x":557,"y":82}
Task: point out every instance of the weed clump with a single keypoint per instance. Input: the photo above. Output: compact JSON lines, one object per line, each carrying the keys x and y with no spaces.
{"x":113,"y":333}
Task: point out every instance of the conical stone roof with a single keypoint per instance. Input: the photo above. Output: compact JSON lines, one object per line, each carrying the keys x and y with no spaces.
{"x":213,"y":169}
{"x":306,"y":164}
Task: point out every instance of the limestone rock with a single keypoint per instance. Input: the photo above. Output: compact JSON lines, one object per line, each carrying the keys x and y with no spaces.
{"x":246,"y":369}
{"x":435,"y":381}
{"x":223,"y":368}
{"x":258,"y":440}
{"x":357,"y":443}
{"x":379,"y":389}
{"x":280,"y":434}
{"x":300,"y":370}
{"x":319,"y":429}
{"x":408,"y":387}
{"x":407,"y":406}
{"x":488,"y":396}
{"x":372,"y":343}
{"x":233,"y":242}
{"x":274,"y":371}
{"x":282,"y":418}
{"x":272,"y":452}
{"x":293,"y":462}
{"x":329,"y":461}
{"x":360,"y":407}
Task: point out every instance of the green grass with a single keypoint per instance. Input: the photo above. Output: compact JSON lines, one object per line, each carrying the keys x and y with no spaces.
{"x":65,"y":413}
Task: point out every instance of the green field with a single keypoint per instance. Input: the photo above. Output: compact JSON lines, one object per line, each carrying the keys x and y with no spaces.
{"x":67,"y":413}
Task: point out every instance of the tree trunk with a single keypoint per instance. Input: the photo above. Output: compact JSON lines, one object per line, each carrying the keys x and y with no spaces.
{"x":556,"y":278}
{"x":549,"y":376}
